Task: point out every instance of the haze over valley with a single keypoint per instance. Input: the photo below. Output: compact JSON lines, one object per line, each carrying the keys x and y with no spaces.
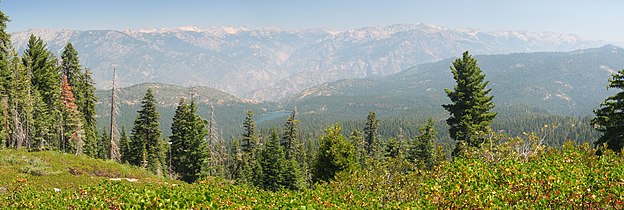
{"x":274,"y":63}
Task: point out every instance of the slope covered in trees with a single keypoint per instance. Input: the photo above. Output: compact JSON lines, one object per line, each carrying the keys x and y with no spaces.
{"x":48,"y":104}
{"x":564,"y":83}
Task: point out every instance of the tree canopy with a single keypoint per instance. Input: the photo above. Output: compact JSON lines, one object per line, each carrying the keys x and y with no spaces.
{"x":610,"y":116}
{"x":471,"y":104}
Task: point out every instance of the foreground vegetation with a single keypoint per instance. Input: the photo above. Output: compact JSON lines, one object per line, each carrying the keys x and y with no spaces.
{"x":570,"y":177}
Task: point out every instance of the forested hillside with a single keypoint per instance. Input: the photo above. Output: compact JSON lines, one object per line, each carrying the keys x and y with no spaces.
{"x":229,"y":110}
{"x":529,"y":87}
{"x":523,"y":130}
{"x":565,"y":83}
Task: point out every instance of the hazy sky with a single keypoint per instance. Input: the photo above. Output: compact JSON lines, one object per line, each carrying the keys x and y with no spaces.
{"x":598,"y":19}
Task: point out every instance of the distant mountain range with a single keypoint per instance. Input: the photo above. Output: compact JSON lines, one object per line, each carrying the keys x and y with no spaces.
{"x":524,"y":85}
{"x":564,"y":83}
{"x":272,"y":63}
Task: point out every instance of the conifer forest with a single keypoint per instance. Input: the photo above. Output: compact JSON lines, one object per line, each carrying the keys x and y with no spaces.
{"x":470,"y":143}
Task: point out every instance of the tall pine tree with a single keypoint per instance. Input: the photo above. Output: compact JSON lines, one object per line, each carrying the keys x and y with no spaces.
{"x":471,"y":106}
{"x":73,"y":122}
{"x":250,"y":169}
{"x":610,"y":117}
{"x":46,"y":81}
{"x":86,"y":106}
{"x":371,"y":136}
{"x":296,"y":156}
{"x":289,"y":138}
{"x":103,"y":146}
{"x":146,"y":145}
{"x":39,"y":127}
{"x":188,"y":145}
{"x":83,"y":90}
{"x":124,"y":145}
{"x":70,"y":67}
{"x":359,"y":144}
{"x":335,"y":154}
{"x":46,"y":78}
{"x":5,"y":79}
{"x":20,"y":109}
{"x":273,"y":163}
{"x":235,"y":163}
{"x":421,"y":148}
{"x":250,"y":139}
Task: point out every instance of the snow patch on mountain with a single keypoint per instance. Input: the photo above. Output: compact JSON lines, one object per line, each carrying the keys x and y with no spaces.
{"x":273,"y":63}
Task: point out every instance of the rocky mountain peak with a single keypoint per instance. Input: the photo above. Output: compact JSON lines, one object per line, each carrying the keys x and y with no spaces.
{"x":272,"y":63}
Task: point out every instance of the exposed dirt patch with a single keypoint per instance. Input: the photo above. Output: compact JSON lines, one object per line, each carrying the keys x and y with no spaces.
{"x":74,"y":171}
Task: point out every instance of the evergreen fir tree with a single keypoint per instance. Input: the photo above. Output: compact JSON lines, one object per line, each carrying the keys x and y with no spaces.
{"x":310,"y":146}
{"x":273,"y":164}
{"x":293,"y":178}
{"x":45,"y":91}
{"x":421,"y":150}
{"x":289,"y":138}
{"x":188,"y":146}
{"x":470,"y":104}
{"x":146,"y":145}
{"x":40,"y":129}
{"x":335,"y":154}
{"x":70,"y":66}
{"x":393,"y":148}
{"x":5,"y":39}
{"x":86,"y":106}
{"x":41,"y":62}
{"x":610,"y":117}
{"x":250,"y":139}
{"x":157,"y":161}
{"x":73,"y":122}
{"x":250,"y":168}
{"x":19,"y":107}
{"x":256,"y":167}
{"x":103,"y":146}
{"x":124,"y":145}
{"x":244,"y":174}
{"x":295,"y":154}
{"x":359,"y":144}
{"x":5,"y":79}
{"x":371,"y":135}
{"x":89,"y":141}
{"x":236,"y":161}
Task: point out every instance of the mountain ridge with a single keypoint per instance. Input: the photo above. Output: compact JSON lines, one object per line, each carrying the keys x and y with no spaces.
{"x":569,"y":84}
{"x":566,"y":83}
{"x":274,"y":63}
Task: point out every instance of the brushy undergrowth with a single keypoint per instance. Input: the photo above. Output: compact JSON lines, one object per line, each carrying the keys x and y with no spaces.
{"x":572,"y":177}
{"x":49,"y":169}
